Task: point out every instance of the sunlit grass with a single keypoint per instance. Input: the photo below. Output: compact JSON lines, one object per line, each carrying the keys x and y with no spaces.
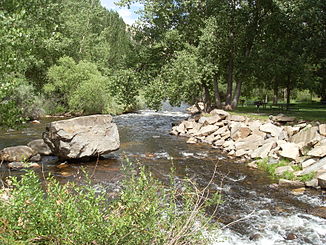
{"x":307,"y":111}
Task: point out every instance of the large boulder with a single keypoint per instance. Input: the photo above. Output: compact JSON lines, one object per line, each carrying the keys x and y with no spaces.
{"x":80,"y":137}
{"x":16,"y":153}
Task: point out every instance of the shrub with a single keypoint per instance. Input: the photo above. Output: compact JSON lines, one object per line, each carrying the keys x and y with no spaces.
{"x":125,"y":87}
{"x":77,"y":87}
{"x":145,"y":212}
{"x":18,"y":101}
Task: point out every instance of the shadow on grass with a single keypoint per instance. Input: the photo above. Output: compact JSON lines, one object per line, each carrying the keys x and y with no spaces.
{"x":307,"y":111}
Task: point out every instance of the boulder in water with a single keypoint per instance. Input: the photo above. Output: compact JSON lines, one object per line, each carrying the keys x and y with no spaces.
{"x":87,"y":136}
{"x":16,"y":153}
{"x":40,"y":147}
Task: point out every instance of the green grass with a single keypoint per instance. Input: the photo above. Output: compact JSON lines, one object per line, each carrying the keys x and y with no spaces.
{"x":308,"y":112}
{"x":271,"y":168}
{"x":144,"y":212}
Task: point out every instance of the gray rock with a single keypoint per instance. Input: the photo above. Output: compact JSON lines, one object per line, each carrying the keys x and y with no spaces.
{"x":192,"y":140}
{"x":290,"y":183}
{"x":16,"y":153}
{"x":206,"y":130}
{"x":195,"y":130}
{"x":272,"y":129}
{"x":237,"y":118}
{"x":21,"y":165}
{"x":262,"y":152}
{"x":189,"y":124}
{"x":174,"y":131}
{"x":253,"y":164}
{"x":40,"y":147}
{"x":241,"y":133}
{"x":213,"y":119}
{"x":242,"y":152}
{"x":281,"y":170}
{"x":307,"y":163}
{"x":283,"y":119}
{"x":221,"y":113}
{"x":290,"y":131}
{"x":290,"y":150}
{"x":254,"y":125}
{"x":307,"y":136}
{"x":252,"y":142}
{"x":320,"y":165}
{"x":322,"y":180}
{"x":87,"y":136}
{"x":222,"y":131}
{"x":36,"y":158}
{"x":181,"y":128}
{"x":312,"y":183}
{"x":322,"y":129}
{"x":219,"y":142}
{"x":319,"y":151}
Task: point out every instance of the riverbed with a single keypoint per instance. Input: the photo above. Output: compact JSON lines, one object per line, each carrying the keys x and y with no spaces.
{"x":254,"y":211}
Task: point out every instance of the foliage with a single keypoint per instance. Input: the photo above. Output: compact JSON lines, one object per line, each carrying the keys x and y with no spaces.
{"x":271,"y":167}
{"x":125,"y":87}
{"x":145,"y":212}
{"x":78,"y":87}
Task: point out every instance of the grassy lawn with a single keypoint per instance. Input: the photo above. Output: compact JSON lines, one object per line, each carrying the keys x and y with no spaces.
{"x":307,"y":111}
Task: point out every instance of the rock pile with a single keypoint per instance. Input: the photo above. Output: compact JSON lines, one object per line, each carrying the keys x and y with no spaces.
{"x":303,"y":144}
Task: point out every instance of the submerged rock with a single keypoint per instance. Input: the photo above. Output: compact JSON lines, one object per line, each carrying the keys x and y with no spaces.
{"x":20,"y":165}
{"x":86,"y":136}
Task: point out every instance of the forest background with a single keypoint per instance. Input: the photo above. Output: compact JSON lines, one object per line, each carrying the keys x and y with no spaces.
{"x":69,"y":56}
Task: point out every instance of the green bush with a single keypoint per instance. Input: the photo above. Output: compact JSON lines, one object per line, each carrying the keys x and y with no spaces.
{"x":125,"y":87}
{"x":28,"y":100}
{"x":18,"y":101}
{"x":145,"y":212}
{"x":77,"y":87}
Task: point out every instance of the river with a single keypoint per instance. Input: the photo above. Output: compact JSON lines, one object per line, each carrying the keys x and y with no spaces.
{"x":254,"y":211}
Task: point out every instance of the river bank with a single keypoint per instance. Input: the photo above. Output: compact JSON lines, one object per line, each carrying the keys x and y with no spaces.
{"x":294,"y":153}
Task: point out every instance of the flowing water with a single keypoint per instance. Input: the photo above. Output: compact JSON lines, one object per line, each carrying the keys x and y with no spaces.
{"x":254,"y":211}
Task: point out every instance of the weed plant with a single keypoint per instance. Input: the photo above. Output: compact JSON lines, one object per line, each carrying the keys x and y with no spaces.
{"x":145,"y":212}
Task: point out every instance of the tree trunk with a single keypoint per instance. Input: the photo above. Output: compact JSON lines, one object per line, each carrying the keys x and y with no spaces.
{"x":237,"y":93}
{"x":218,"y":103}
{"x":229,"y":80}
{"x":275,"y":90}
{"x":288,"y":93}
{"x":207,"y":99}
